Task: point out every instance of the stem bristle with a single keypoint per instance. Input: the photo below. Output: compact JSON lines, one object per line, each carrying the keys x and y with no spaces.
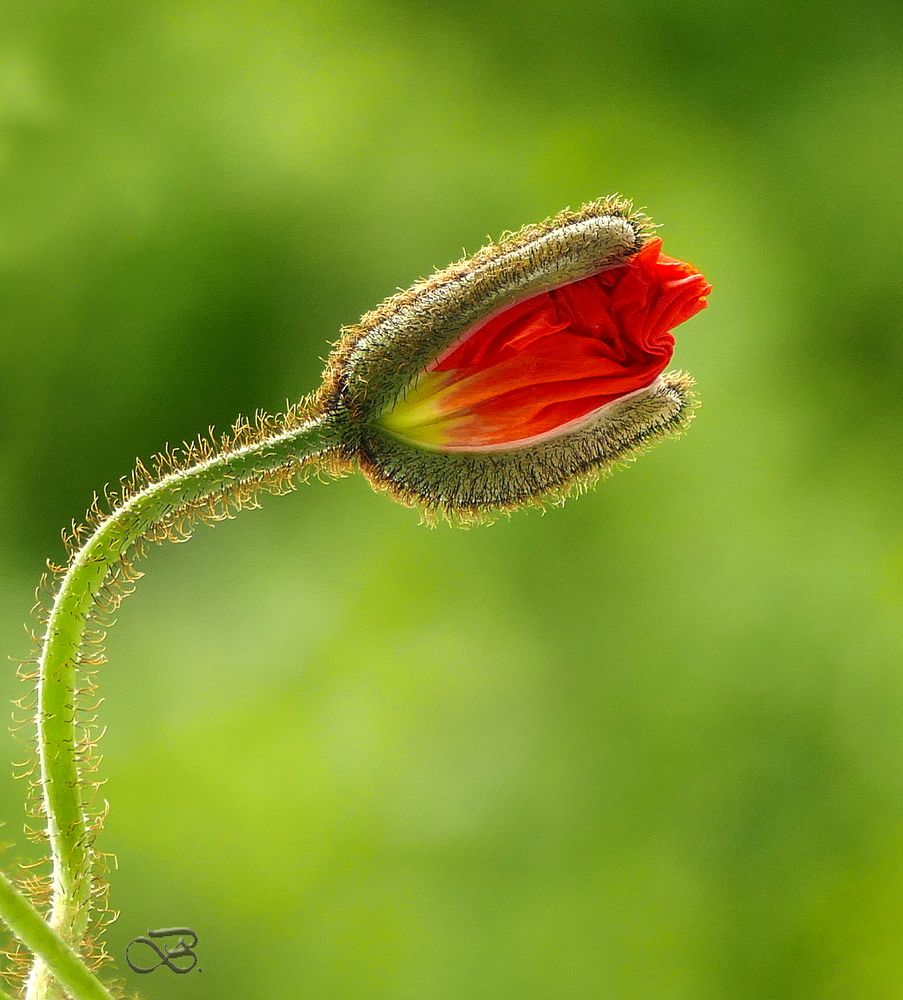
{"x":176,"y":523}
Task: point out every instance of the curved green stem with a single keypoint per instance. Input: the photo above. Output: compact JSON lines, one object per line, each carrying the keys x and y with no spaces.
{"x":68,"y":830}
{"x":64,"y":964}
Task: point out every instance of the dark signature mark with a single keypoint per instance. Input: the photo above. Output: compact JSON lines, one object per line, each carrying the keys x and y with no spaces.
{"x":172,"y":956}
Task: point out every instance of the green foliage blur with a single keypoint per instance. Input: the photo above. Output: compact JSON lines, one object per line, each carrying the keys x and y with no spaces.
{"x":647,"y":747}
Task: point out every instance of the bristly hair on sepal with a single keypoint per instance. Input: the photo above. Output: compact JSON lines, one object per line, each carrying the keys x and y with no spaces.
{"x":377,"y":358}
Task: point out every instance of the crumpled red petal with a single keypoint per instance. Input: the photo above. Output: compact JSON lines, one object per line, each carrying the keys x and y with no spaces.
{"x":556,"y":357}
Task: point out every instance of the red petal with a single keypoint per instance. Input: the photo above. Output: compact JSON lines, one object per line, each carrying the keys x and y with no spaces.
{"x":558,"y":356}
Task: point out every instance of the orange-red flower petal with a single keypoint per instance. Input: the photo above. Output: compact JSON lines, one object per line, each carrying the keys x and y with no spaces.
{"x":552,"y":360}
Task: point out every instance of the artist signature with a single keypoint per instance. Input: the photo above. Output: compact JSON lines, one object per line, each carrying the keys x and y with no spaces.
{"x":152,"y":956}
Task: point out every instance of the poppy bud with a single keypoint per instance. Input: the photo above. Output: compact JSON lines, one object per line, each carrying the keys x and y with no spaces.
{"x":522,"y":372}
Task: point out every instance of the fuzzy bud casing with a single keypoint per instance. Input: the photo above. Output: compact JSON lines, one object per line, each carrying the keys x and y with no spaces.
{"x":394,"y":349}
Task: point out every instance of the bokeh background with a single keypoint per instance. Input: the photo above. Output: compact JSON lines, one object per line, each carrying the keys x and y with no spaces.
{"x":647,"y":746}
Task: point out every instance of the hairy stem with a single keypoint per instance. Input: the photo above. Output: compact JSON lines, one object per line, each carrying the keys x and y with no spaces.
{"x":64,"y":964}
{"x":233,"y":471}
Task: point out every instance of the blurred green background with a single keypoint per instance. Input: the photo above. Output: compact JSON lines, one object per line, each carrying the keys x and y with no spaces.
{"x":645,"y":747}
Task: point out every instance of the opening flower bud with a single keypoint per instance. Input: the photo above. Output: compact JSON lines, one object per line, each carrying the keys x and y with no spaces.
{"x":524,"y":371}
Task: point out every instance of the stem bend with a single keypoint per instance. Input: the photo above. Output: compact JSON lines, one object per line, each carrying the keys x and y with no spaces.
{"x":226,"y":478}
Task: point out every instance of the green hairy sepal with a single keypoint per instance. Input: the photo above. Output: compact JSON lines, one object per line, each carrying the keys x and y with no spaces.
{"x":332,"y":432}
{"x":475,"y":487}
